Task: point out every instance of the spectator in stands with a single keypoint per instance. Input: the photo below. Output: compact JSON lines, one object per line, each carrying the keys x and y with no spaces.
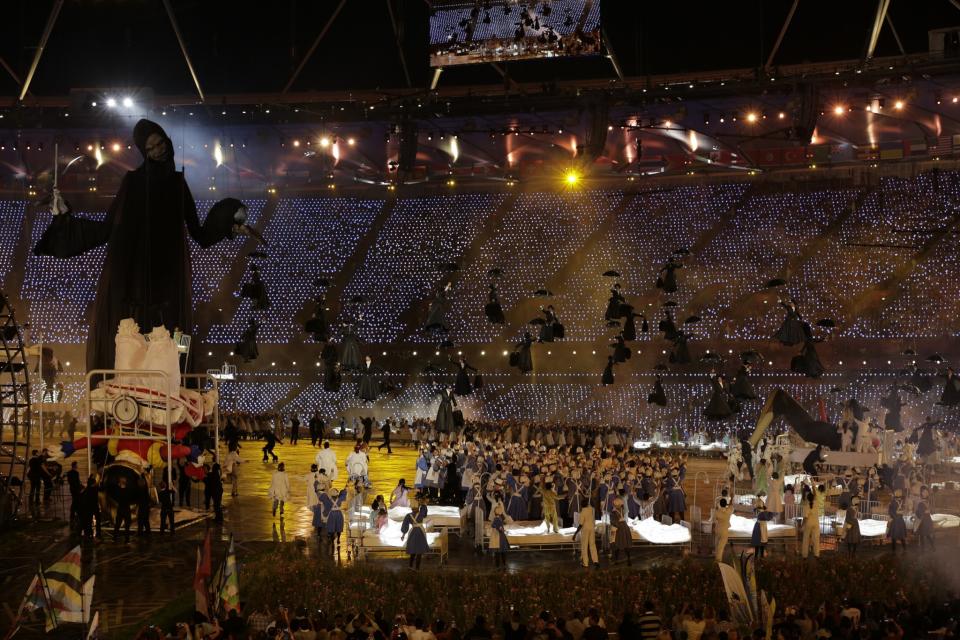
{"x":649,"y":623}
{"x":479,"y":630}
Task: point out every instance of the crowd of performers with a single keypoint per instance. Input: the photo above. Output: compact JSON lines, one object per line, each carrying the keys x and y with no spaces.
{"x":569,"y":476}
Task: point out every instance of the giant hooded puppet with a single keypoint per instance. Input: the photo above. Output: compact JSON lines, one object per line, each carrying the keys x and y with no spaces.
{"x":146,"y":274}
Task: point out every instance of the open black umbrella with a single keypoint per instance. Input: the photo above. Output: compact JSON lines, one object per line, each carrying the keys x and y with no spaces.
{"x":776,"y":282}
{"x":611,"y":274}
{"x":910,"y":388}
{"x":256,"y":254}
{"x":936,"y":358}
{"x":826,"y":323}
{"x":692,"y":320}
{"x":682,"y":251}
{"x":836,"y":390}
{"x":495,"y":273}
{"x":537,"y":321}
{"x":542,"y":293}
{"x":711,"y":358}
{"x":670,"y":303}
{"x":446,"y":344}
{"x":321,"y":282}
{"x":358,"y":299}
{"x":661,"y":367}
{"x":908,"y":352}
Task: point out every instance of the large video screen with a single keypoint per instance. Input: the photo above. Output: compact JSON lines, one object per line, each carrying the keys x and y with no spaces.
{"x":472,"y":31}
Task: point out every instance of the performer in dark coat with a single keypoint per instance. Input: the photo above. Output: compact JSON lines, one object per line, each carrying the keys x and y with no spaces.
{"x":667,"y":325}
{"x":919,"y":380}
{"x":332,"y":378}
{"x":629,"y":326}
{"x":445,"y":410}
{"x":546,"y":329}
{"x":317,"y":324}
{"x":951,"y":388}
{"x":462,"y":386}
{"x":807,"y":362}
{"x":436,"y":318}
{"x":742,"y":389}
{"x":247,"y":347}
{"x":524,"y":356}
{"x":493,"y":310}
{"x":680,"y":353}
{"x":719,"y":407}
{"x":667,"y":280}
{"x":256,"y":290}
{"x":607,"y":377}
{"x":791,"y":331}
{"x":658,"y":397}
{"x":892,"y":403}
{"x":368,"y":388}
{"x":350,"y":358}
{"x":621,"y":352}
{"x":146,"y":273}
{"x":613,"y":304}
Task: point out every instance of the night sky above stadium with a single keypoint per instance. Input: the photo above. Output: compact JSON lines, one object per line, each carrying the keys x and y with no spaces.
{"x":113,"y":43}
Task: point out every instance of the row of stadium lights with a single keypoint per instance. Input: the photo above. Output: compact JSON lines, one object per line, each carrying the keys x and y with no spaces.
{"x":506,"y":353}
{"x":751,"y":117}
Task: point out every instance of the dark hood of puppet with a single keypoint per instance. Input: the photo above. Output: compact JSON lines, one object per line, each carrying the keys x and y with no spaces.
{"x":146,"y":274}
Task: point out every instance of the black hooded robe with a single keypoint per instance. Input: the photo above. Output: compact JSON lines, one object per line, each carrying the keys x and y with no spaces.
{"x":807,"y":362}
{"x":658,"y":397}
{"x":607,"y":377}
{"x":741,"y":388}
{"x":146,"y":274}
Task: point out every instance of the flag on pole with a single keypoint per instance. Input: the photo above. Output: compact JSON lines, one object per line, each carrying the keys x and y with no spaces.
{"x":87,"y":598}
{"x":63,"y":585}
{"x":230,"y":591}
{"x":35,"y":598}
{"x":206,"y":561}
{"x":200,"y":588}
{"x":94,"y":626}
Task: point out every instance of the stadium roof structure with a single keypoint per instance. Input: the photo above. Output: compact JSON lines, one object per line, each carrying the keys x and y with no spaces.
{"x":764,"y":84}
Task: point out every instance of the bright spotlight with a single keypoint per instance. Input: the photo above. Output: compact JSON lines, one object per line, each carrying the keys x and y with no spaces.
{"x":839,"y":110}
{"x":128,"y":102}
{"x":324,"y":141}
{"x":898,"y":105}
{"x":751,"y":117}
{"x":571,"y":178}
{"x":116,"y":146}
{"x":111,"y":103}
{"x":218,"y":154}
{"x":351,"y":141}
{"x":296,"y":143}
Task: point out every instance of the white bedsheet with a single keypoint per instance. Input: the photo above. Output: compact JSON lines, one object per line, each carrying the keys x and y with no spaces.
{"x":387,"y":537}
{"x":437,"y":515}
{"x":532,"y":533}
{"x":741,"y":527}
{"x":652,"y":531}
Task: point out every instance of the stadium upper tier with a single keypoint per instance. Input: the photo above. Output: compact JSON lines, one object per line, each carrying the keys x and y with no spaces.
{"x":882,"y":262}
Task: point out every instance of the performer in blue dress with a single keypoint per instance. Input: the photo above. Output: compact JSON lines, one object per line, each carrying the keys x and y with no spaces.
{"x":335,"y":522}
{"x":676,"y":498}
{"x":498,"y":538}
{"x":417,"y":542}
